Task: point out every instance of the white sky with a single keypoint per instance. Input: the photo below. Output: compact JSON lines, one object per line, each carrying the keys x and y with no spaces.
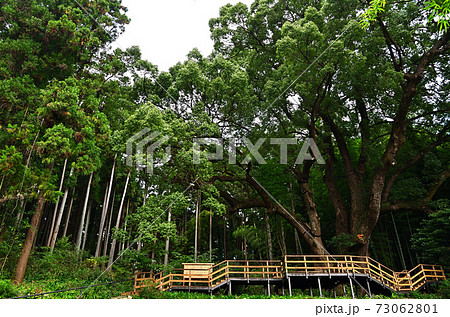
{"x":166,"y":30}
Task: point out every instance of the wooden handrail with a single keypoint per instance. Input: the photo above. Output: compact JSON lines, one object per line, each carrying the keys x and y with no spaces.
{"x":293,"y":264}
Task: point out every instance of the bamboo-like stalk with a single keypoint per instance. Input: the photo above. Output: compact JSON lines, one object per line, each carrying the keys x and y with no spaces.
{"x":108,"y":227}
{"x":59,"y":218}
{"x":83,"y":214}
{"x":87,"y":225}
{"x":105,"y":210}
{"x":166,"y":249}
{"x":69,"y":213}
{"x":56,"y":205}
{"x":114,"y":241}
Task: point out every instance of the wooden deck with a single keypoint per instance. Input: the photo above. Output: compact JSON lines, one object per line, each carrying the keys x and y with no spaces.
{"x":296,"y":271}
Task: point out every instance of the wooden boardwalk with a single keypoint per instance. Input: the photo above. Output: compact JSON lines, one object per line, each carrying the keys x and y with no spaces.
{"x":296,"y":271}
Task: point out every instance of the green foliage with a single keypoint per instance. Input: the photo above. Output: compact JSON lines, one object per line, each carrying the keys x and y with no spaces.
{"x":376,"y":7}
{"x":440,"y":12}
{"x":7,"y":289}
{"x":431,"y":239}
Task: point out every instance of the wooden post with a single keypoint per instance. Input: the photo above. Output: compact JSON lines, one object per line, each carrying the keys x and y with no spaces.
{"x":351,"y":286}
{"x":289,"y":285}
{"x":368,"y":288}
{"x":310,"y":290}
{"x":229,"y":288}
{"x":320,"y":287}
{"x":268,"y":287}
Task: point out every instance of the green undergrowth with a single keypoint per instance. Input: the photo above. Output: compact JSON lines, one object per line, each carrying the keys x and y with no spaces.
{"x":66,"y":268}
{"x":437,"y":292}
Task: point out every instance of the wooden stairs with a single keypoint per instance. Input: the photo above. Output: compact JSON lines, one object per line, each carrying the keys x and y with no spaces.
{"x":296,"y":271}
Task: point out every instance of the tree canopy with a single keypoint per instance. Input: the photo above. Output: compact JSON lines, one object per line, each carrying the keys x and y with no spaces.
{"x":361,"y":98}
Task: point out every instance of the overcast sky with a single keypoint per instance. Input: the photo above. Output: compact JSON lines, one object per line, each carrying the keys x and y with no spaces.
{"x":166,"y":30}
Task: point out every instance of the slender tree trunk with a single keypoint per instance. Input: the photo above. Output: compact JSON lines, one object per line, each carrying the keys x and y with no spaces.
{"x":210,"y":236}
{"x":283,"y":239}
{"x":119,"y":215}
{"x":108,"y":228}
{"x":60,"y":214}
{"x":297,"y":241}
{"x":269,"y":238}
{"x":166,"y":249}
{"x":196,"y":228}
{"x":56,"y":206}
{"x":224,"y":238}
{"x":298,"y":245}
{"x":125,"y":224}
{"x":105,"y":210}
{"x":87,"y":225}
{"x":83,"y":213}
{"x":2,"y":234}
{"x":54,"y":234}
{"x":400,"y":250}
{"x":27,"y":245}
{"x":69,"y":213}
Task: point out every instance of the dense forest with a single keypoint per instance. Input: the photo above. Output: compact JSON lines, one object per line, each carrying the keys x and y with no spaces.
{"x":334,"y":126}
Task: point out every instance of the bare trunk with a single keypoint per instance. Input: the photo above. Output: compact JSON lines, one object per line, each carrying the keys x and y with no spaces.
{"x":54,"y":234}
{"x":83,"y":213}
{"x":166,"y":249}
{"x":283,"y":239}
{"x":108,"y":227}
{"x":298,"y":245}
{"x":269,"y":239}
{"x":210,"y":236}
{"x":125,"y":224}
{"x":69,"y":213}
{"x":27,"y":245}
{"x":114,"y":241}
{"x":60,"y":214}
{"x":224,"y":238}
{"x":56,"y":206}
{"x":87,"y":225}
{"x":400,"y":249}
{"x":105,"y":210}
{"x":196,"y":228}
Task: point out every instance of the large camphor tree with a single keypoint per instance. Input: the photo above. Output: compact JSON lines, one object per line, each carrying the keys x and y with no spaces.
{"x":374,"y":100}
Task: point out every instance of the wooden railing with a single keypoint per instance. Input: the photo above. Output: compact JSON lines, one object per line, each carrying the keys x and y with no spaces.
{"x":304,"y":265}
{"x":351,"y":265}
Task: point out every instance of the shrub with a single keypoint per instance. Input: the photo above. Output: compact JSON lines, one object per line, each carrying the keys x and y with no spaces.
{"x":7,"y":289}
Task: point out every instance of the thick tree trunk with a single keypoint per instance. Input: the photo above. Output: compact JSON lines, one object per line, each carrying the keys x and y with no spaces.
{"x":83,"y":214}
{"x":27,"y":245}
{"x":119,"y":215}
{"x":105,"y":210}
{"x":311,"y":233}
